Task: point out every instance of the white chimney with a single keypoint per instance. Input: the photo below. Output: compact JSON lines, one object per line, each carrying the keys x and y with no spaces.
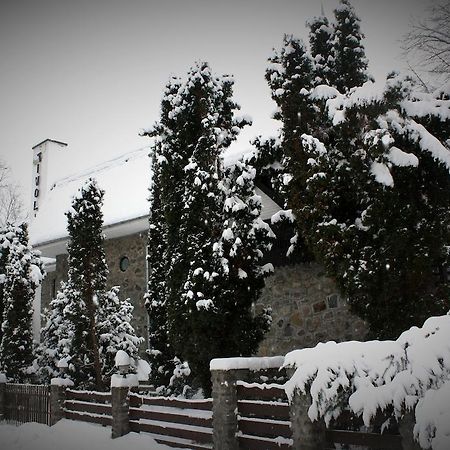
{"x":47,"y":156}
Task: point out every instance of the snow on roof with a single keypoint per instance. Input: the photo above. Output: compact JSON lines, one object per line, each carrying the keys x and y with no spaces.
{"x":125,"y":180}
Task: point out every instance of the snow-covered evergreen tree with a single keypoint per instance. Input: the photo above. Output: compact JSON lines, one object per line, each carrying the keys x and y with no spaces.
{"x":87,"y":277}
{"x":56,"y":335}
{"x":321,"y":35}
{"x":114,"y":329}
{"x":23,"y":274}
{"x":206,"y":101}
{"x":349,"y":63}
{"x":282,"y":161}
{"x":165,"y":192}
{"x":5,"y":242}
{"x":197,"y":124}
{"x":376,"y":206}
{"x":244,"y":241}
{"x":366,"y":179}
{"x":86,"y":324}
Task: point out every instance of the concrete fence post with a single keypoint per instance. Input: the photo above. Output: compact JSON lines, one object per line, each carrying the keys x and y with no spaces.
{"x":224,"y":395}
{"x":306,"y":435}
{"x":120,"y":411}
{"x":57,"y":399}
{"x":406,"y":429}
{"x":2,"y":396}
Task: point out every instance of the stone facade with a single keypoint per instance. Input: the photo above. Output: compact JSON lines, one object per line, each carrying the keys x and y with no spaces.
{"x":306,"y":309}
{"x":132,"y":280}
{"x":306,"y":305}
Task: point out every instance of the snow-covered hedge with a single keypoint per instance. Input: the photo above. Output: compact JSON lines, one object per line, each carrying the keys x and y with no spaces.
{"x":410,"y":372}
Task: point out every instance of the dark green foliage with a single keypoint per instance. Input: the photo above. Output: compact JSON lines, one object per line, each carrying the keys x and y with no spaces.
{"x":23,"y":273}
{"x":376,"y":211}
{"x":55,"y":335}
{"x":321,"y":48}
{"x":282,"y":162}
{"x":365,"y":178}
{"x":114,"y":331}
{"x":349,"y":64}
{"x":87,"y":276}
{"x":160,"y":353}
{"x":191,"y":293}
{"x":86,"y":324}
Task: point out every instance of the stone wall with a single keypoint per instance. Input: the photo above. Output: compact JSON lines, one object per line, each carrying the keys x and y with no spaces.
{"x":306,"y":305}
{"x":132,"y":281}
{"x":306,"y":309}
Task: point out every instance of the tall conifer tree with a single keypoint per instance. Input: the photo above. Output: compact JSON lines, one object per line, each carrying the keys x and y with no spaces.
{"x":197,"y":124}
{"x":87,"y":277}
{"x":321,"y":48}
{"x":55,"y":335}
{"x":86,"y":324}
{"x":163,"y":250}
{"x":349,"y":67}
{"x":369,"y":186}
{"x":23,"y":273}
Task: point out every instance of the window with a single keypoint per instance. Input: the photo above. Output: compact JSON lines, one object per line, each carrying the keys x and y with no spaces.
{"x":124,"y":263}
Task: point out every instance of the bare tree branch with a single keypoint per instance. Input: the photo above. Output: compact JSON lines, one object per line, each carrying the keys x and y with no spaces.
{"x":428,"y":42}
{"x":11,"y":204}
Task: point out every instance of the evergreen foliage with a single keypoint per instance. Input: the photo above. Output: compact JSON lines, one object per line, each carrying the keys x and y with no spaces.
{"x":114,"y":330}
{"x":87,"y":324}
{"x":365,"y":178}
{"x":349,"y":65}
{"x":23,"y":272}
{"x":188,"y":215}
{"x":55,"y":336}
{"x":321,"y":36}
{"x":376,"y":211}
{"x":87,"y":280}
{"x":163,"y":251}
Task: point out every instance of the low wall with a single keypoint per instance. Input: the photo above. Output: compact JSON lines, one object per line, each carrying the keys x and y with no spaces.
{"x":307,"y":308}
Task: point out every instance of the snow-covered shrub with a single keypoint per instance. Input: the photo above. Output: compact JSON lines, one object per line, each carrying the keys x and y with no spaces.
{"x":202,"y":283}
{"x":21,"y":272}
{"x":86,"y":324}
{"x":363,"y":169}
{"x":114,"y":329}
{"x":393,"y":377}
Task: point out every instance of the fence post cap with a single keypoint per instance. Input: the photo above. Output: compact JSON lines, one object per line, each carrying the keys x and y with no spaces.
{"x":61,"y":382}
{"x":122,"y":358}
{"x":120,"y":381}
{"x":3,"y":378}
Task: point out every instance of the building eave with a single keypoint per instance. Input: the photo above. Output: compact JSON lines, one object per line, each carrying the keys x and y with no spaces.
{"x":49,"y":140}
{"x":127,"y":227}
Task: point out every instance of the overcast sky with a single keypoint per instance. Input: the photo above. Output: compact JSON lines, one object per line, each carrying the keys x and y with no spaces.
{"x":90,"y":73}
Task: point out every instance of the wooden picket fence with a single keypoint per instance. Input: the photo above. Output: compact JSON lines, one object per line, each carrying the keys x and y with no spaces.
{"x":342,"y":433}
{"x":263,"y":417}
{"x":264,"y":423}
{"x":88,"y":406}
{"x":27,"y":403}
{"x":174,"y":422}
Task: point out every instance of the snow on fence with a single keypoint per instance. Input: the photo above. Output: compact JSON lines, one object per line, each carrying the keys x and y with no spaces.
{"x":88,"y":406}
{"x":263,"y":416}
{"x":173,"y":421}
{"x":254,"y":392}
{"x":26,"y":403}
{"x":250,"y":406}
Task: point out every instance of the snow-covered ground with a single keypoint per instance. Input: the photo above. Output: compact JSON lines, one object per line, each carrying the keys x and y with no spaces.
{"x":71,"y":435}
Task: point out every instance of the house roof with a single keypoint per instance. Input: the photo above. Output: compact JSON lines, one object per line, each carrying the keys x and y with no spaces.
{"x":126,"y":181}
